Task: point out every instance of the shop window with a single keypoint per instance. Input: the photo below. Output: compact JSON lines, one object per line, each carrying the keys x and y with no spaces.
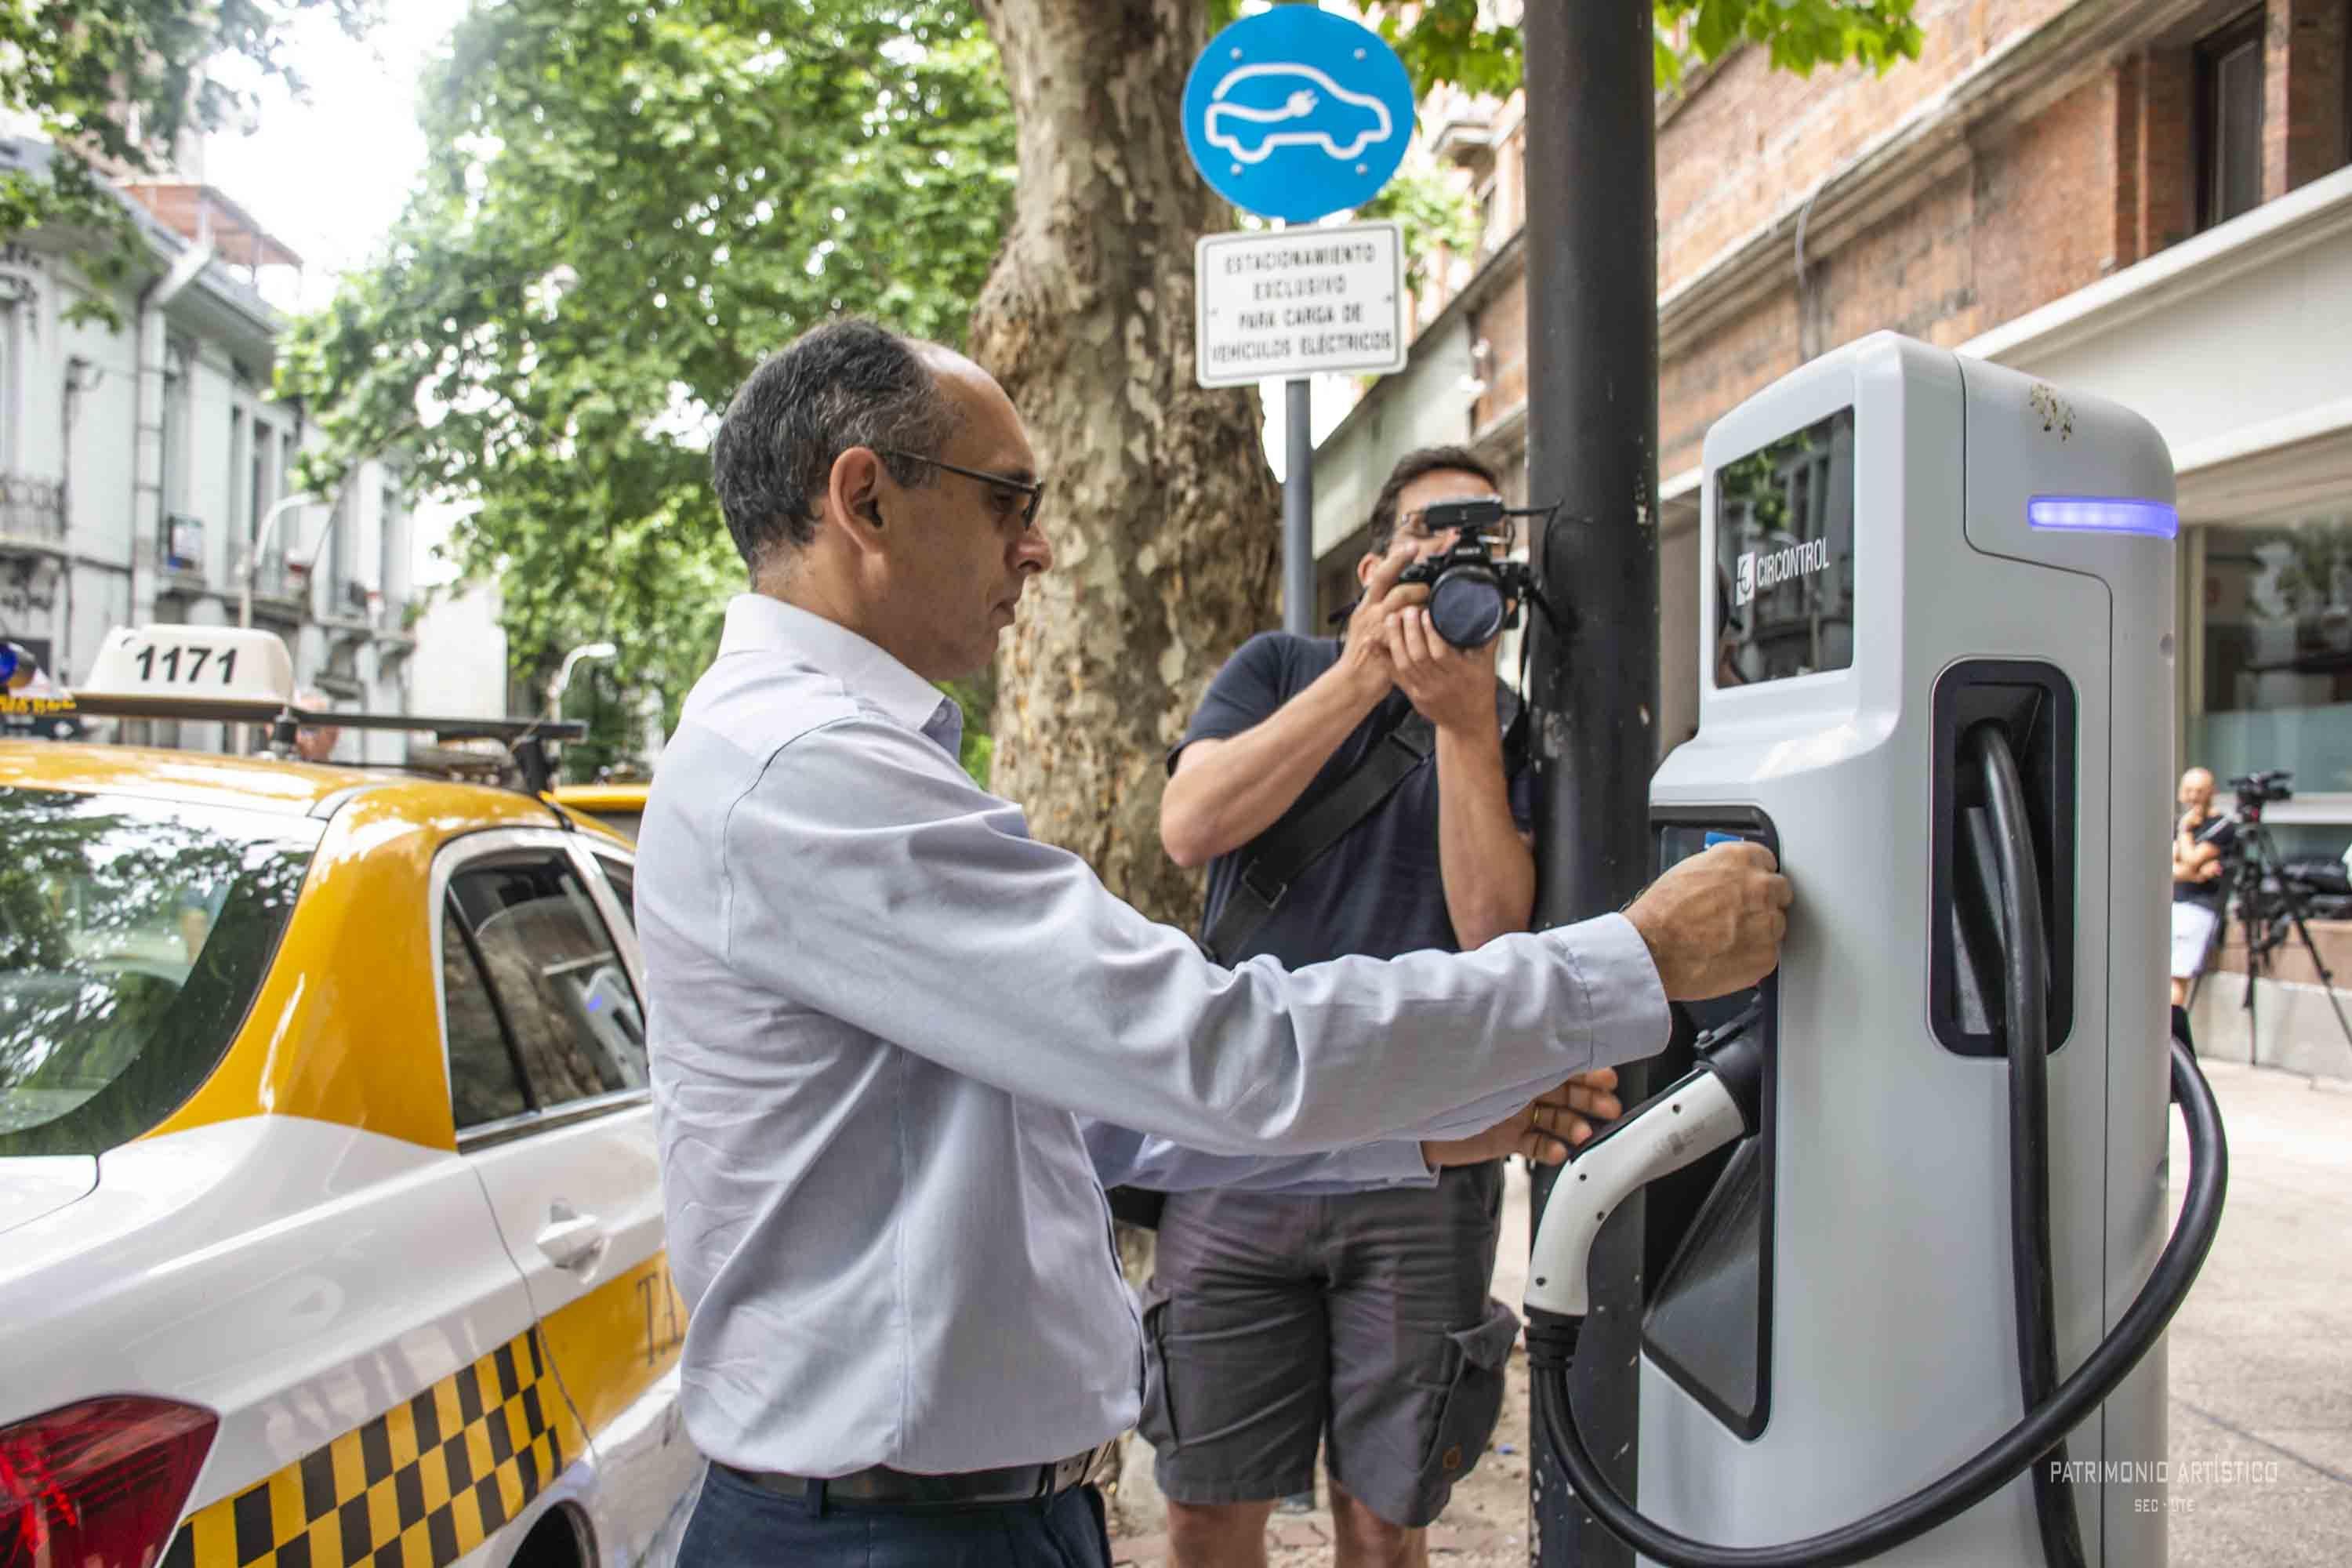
{"x":2276,"y":659}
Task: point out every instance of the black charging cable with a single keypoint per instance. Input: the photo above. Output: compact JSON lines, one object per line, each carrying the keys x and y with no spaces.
{"x":1551,"y":1348}
{"x":2010,"y":879}
{"x":1551,"y":1339}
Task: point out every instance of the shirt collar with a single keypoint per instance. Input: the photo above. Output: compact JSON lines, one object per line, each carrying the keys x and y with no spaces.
{"x":758,"y":624}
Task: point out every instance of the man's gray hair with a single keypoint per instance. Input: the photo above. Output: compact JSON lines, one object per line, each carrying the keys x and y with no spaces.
{"x":847,"y":384}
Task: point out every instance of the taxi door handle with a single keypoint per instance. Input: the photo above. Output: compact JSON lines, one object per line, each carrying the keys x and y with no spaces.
{"x":572,"y":1240}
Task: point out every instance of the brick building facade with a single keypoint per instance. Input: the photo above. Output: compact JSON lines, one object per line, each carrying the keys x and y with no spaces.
{"x":2039,"y":161}
{"x":2144,"y":199}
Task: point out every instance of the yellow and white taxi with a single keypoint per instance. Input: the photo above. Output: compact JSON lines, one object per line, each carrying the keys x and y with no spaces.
{"x":330,"y":1225}
{"x":619,"y":806}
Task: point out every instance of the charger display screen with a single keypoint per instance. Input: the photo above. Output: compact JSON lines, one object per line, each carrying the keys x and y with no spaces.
{"x":1784,"y":550}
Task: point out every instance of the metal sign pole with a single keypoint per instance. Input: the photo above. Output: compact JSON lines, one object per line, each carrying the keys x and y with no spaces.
{"x":1592,"y":446}
{"x":1297,"y":511}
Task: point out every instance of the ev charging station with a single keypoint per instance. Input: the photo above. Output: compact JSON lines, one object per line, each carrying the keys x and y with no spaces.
{"x":1913,"y":1190}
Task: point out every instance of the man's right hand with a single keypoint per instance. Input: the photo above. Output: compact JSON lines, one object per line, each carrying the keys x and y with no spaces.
{"x":1365,"y":654}
{"x":1544,"y":1131}
{"x":1714,"y":921}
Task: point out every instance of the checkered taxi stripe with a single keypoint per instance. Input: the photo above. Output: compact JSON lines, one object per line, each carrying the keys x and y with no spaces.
{"x":419,"y":1485}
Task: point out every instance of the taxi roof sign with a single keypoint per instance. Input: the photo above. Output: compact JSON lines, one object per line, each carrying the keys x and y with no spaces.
{"x":244,"y":675}
{"x":199,"y":672}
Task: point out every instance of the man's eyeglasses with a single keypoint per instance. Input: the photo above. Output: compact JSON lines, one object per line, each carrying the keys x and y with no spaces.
{"x":1033,"y":488}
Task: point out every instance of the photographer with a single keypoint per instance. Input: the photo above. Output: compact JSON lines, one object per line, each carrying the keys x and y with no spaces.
{"x":2200,"y":841}
{"x":1276,"y":1319}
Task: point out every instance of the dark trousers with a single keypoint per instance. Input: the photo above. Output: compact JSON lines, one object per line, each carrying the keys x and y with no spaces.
{"x":738,"y":1525}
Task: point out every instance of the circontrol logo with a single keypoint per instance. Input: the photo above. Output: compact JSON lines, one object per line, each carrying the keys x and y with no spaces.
{"x":1761,"y":572}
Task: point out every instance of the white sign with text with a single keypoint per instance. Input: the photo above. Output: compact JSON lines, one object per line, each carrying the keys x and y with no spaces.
{"x":1295,"y":301}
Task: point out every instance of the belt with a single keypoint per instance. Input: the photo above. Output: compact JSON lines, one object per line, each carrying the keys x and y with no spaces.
{"x":882,"y":1485}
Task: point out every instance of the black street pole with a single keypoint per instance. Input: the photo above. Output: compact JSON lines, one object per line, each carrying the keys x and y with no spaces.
{"x":1592,"y":446}
{"x":1298,"y":509}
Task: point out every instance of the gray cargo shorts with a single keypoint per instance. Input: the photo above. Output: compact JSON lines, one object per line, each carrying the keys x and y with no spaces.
{"x":1360,"y":1321}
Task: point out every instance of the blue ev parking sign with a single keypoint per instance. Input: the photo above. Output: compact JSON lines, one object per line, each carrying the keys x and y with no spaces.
{"x":1296,"y":113}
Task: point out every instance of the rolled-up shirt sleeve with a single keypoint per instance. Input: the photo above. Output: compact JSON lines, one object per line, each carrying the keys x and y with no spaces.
{"x":866,"y":876}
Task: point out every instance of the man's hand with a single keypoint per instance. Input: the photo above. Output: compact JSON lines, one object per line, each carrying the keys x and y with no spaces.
{"x":1542,"y":1132}
{"x":1453,"y":688}
{"x":1714,"y":923}
{"x":1365,"y":653}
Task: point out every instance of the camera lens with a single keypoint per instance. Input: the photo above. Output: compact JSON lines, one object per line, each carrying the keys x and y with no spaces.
{"x":1465,"y":606}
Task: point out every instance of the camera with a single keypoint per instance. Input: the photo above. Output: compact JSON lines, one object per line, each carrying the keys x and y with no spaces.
{"x":2258,"y":789}
{"x":1474,"y":595}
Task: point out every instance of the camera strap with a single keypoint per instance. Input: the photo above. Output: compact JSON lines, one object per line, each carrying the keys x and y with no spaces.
{"x":1304,"y":833}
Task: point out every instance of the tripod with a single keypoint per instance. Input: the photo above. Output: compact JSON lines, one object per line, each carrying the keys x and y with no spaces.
{"x":2258,"y":894}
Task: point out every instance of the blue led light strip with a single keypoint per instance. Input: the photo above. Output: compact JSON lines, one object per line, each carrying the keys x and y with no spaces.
{"x":2103,"y":515}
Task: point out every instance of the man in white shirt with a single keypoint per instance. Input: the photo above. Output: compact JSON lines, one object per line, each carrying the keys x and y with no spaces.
{"x":898,"y":1047}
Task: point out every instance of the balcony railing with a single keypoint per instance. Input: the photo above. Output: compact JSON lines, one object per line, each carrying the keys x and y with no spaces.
{"x":351,"y":605}
{"x":276,"y":578}
{"x":32,"y":509}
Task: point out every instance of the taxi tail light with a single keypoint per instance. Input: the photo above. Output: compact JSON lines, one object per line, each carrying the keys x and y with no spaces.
{"x":99,"y":1484}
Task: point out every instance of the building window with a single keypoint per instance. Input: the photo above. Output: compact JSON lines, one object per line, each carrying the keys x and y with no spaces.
{"x":264,"y":442}
{"x":2229,"y":77}
{"x":388,"y":542}
{"x":9,"y":356}
{"x":237,"y":461}
{"x":179,"y":366}
{"x":286,"y":451}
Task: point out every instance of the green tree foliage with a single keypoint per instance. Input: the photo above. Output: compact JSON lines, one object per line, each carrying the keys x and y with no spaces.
{"x":1448,"y":40}
{"x":627,"y":205}
{"x":1433,"y":215}
{"x":1799,"y":34}
{"x":120,"y":81}
{"x":596,"y":699}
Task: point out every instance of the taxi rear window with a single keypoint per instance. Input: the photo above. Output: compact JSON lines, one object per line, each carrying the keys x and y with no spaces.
{"x":133,"y":934}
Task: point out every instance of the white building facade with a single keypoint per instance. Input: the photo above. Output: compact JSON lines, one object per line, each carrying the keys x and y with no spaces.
{"x":142,"y":466}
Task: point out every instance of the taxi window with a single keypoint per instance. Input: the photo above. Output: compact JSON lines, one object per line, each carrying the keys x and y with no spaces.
{"x":485,"y":1084}
{"x":133,"y":935}
{"x":561,"y":990}
{"x":624,"y":877}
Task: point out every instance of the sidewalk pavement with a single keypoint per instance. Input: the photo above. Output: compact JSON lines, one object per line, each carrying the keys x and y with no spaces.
{"x":2260,"y":1438}
{"x":2262,"y":1353}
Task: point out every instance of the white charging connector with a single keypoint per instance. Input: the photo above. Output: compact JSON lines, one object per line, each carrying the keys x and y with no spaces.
{"x":1697,"y":1116}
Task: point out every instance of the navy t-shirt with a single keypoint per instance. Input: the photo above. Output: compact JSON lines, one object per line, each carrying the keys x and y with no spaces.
{"x":2222,"y":836}
{"x":1377,"y":891}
